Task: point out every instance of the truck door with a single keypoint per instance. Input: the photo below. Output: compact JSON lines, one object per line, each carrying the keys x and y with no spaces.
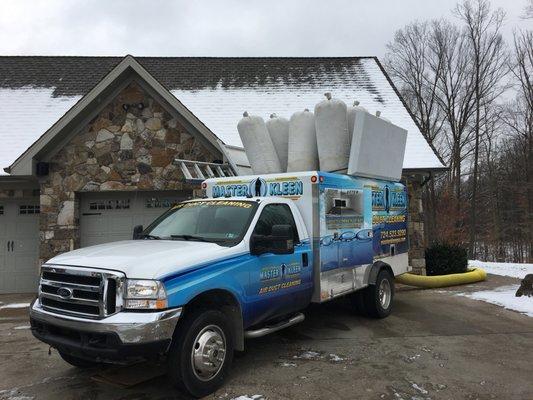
{"x":279,"y":283}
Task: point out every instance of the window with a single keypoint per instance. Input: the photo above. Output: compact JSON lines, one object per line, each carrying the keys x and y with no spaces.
{"x":275,"y":214}
{"x":1,"y":210}
{"x":221,"y":221}
{"x":123,"y":204}
{"x":29,"y":209}
{"x":339,"y":203}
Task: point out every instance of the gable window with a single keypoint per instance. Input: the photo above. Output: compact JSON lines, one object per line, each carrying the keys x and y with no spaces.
{"x":29,"y":209}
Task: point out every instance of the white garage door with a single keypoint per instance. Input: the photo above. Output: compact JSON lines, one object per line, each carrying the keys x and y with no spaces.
{"x":19,"y":246}
{"x":111,"y":216}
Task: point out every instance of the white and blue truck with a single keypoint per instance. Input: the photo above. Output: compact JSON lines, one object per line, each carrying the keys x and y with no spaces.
{"x":242,"y":262}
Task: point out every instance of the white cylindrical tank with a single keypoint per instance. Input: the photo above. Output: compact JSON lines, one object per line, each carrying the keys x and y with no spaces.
{"x":278,"y":128}
{"x":258,"y":145}
{"x":303,"y":155}
{"x":332,"y":137}
{"x":350,"y":116}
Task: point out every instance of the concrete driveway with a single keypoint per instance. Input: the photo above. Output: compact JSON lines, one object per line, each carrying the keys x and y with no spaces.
{"x":435,"y":345}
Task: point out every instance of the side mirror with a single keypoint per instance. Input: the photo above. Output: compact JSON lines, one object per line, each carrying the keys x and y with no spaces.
{"x":137,"y":232}
{"x":280,"y":241}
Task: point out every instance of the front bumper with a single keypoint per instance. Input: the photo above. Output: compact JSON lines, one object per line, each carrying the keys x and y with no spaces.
{"x":120,"y":335}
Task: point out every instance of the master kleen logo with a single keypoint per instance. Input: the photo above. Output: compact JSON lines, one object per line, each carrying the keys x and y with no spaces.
{"x":259,"y":187}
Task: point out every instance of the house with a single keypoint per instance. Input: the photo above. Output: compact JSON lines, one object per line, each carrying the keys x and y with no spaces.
{"x":87,"y":144}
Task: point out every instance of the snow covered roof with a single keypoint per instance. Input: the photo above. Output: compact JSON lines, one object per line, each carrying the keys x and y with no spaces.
{"x":36,"y":91}
{"x":25,"y":114}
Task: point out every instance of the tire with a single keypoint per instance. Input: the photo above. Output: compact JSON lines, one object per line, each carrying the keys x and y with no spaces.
{"x":193,"y":338}
{"x":78,"y":362}
{"x":376,"y":300}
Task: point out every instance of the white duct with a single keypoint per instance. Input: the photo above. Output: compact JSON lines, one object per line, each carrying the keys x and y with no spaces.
{"x":258,"y":145}
{"x":278,"y":128}
{"x":378,"y":148}
{"x":303,"y":155}
{"x":350,"y":117}
{"x":332,"y":136}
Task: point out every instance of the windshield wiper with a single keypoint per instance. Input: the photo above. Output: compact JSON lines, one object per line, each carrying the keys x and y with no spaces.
{"x":148,"y":236}
{"x":191,"y":237}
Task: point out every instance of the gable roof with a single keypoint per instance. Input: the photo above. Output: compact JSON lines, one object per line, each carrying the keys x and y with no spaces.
{"x":213,"y":91}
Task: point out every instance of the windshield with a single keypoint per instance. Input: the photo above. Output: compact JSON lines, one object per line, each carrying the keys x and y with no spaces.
{"x":219,"y":221}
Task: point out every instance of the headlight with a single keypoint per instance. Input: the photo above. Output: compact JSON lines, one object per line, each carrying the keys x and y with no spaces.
{"x":145,"y":295}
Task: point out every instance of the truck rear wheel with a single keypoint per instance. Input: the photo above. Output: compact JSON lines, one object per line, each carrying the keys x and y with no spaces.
{"x":201,"y":352}
{"x":376,"y":300}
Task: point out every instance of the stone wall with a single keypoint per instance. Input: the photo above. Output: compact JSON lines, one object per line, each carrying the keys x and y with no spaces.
{"x":130,"y":145}
{"x":415,"y":225}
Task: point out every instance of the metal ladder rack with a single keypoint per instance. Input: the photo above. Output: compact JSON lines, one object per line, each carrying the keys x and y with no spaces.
{"x":197,"y":171}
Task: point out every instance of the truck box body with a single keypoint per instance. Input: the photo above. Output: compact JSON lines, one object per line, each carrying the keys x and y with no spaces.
{"x":352,"y":222}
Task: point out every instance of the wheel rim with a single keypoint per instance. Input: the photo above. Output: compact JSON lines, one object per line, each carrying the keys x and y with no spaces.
{"x":208,"y":352}
{"x":384,"y":293}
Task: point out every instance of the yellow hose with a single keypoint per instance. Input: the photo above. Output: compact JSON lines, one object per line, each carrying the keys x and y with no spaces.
{"x":436,"y":281}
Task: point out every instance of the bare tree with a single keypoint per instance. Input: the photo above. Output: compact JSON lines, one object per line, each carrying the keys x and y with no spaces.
{"x":488,"y":53}
{"x":413,"y":61}
{"x":455,"y":96}
{"x":520,"y":117}
{"x":528,"y":10}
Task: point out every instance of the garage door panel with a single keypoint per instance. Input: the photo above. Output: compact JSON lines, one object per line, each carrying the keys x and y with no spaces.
{"x":26,"y":282}
{"x":19,"y":225}
{"x":24,"y":264}
{"x":120,"y":213}
{"x":118,"y":224}
{"x":24,"y":225}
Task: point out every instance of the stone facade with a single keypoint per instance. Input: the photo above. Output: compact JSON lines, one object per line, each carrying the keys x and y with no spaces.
{"x":415,"y":226}
{"x":129,"y":146}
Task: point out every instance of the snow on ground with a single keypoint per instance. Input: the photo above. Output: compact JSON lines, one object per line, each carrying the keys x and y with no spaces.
{"x":253,"y":397}
{"x":504,"y":296}
{"x":15,"y":305}
{"x":514,"y":270}
{"x":22,"y":327}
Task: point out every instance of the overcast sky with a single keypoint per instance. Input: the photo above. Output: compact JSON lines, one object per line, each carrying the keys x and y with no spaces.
{"x":217,"y":27}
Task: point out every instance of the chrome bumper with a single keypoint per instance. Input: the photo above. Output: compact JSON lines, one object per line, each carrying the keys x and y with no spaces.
{"x":131,"y":327}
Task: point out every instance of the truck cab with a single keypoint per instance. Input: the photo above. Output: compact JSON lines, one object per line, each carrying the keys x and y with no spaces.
{"x":240,"y":263}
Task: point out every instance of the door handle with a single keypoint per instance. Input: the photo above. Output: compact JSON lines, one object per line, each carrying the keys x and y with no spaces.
{"x":305,"y":259}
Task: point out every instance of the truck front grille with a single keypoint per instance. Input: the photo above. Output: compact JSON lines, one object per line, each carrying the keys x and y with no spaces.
{"x":81,"y":292}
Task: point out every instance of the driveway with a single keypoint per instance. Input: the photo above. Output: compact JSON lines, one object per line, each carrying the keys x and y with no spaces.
{"x":435,"y":345}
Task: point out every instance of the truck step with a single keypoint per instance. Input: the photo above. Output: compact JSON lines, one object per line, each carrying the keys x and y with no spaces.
{"x":273,"y":328}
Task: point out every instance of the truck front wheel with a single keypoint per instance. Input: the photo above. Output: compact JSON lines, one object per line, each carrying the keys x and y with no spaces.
{"x":376,"y":300}
{"x":201,"y":352}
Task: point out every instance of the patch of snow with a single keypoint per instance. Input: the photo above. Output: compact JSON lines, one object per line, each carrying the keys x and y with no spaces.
{"x":253,"y":397}
{"x":418,"y":388}
{"x":410,"y":359}
{"x":26,"y":114}
{"x":13,"y":394}
{"x":22,"y":327}
{"x":514,"y":270}
{"x":288,"y":364}
{"x":309,"y":355}
{"x":15,"y":305}
{"x":504,"y":296}
{"x":335,"y":358}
